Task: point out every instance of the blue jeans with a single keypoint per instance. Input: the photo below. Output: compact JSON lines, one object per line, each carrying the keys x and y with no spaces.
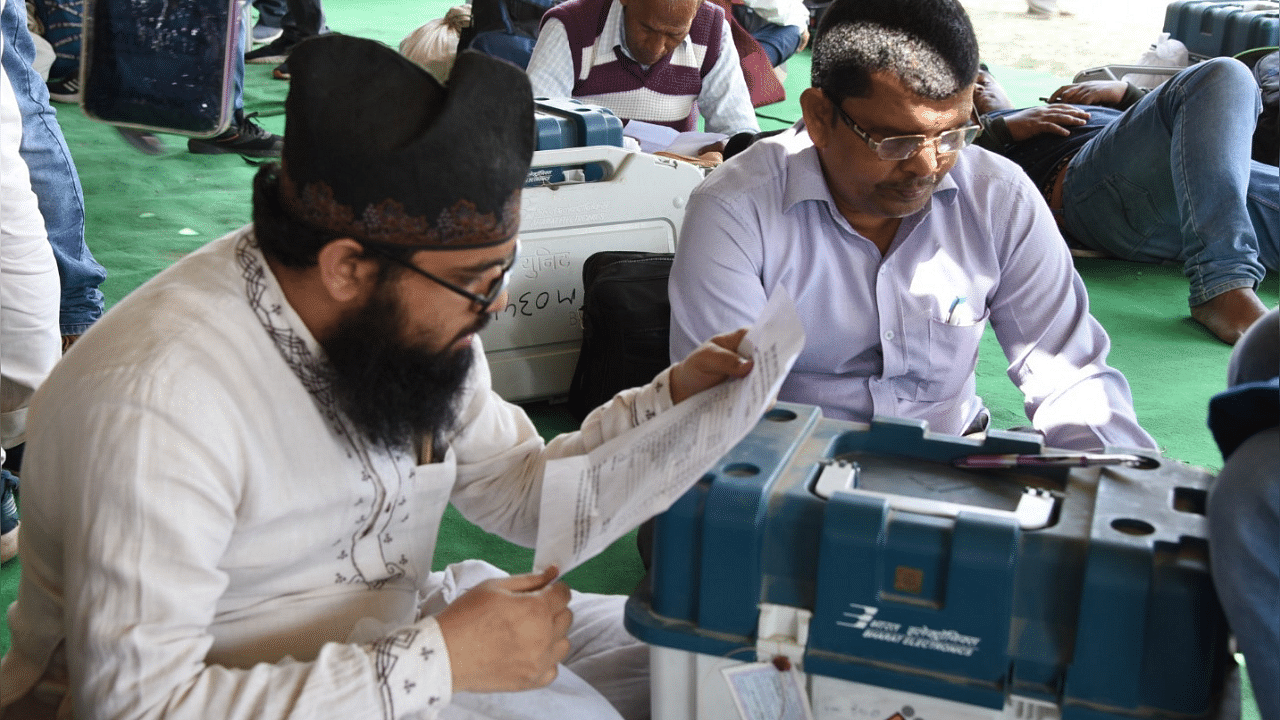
{"x":53,"y":178}
{"x":1244,"y":542}
{"x":1172,"y":180}
{"x":778,"y":41}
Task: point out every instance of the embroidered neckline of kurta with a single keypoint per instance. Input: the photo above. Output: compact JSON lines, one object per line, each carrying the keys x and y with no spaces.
{"x":369,"y":546}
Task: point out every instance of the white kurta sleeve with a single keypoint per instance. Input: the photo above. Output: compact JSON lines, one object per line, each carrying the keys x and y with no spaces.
{"x":501,"y":458}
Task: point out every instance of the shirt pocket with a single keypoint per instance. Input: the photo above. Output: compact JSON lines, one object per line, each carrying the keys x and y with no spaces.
{"x":427,"y":497}
{"x":952,"y":353}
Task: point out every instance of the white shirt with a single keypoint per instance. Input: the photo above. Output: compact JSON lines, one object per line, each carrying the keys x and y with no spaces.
{"x":205,"y":534}
{"x":898,"y":336}
{"x":724,"y":101}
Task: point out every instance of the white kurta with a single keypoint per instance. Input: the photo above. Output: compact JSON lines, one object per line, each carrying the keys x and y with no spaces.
{"x":204,"y":530}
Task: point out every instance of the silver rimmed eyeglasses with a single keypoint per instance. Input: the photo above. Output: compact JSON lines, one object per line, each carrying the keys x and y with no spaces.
{"x":496,"y":288}
{"x":907,"y":146}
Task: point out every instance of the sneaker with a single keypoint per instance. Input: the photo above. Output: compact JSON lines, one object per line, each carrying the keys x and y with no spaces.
{"x":245,"y":137}
{"x":281,"y":71}
{"x":265,"y":33}
{"x":65,"y":91}
{"x":273,"y":53}
{"x":8,"y":517}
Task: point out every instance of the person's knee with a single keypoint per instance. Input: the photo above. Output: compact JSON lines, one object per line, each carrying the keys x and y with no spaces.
{"x":1226,"y":72}
{"x":1205,"y":88}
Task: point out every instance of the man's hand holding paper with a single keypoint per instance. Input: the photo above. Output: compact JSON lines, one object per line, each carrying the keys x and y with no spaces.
{"x":590,"y":501}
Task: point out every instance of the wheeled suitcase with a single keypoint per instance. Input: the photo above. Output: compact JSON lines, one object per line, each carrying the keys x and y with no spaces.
{"x":902,"y":586}
{"x":1214,"y":29}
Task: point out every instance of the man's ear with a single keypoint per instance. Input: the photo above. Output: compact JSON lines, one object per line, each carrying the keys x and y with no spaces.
{"x":346,"y":272}
{"x":816,"y":110}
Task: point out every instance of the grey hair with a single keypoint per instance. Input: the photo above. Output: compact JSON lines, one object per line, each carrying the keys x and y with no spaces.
{"x":849,"y":52}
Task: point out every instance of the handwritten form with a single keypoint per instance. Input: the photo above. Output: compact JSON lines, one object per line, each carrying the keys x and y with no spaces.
{"x":590,"y":501}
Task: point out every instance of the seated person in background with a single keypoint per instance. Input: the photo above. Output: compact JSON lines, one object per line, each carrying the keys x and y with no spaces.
{"x":898,"y":245}
{"x":780,"y":26}
{"x":1244,"y":506}
{"x":234,"y":481}
{"x":1161,"y":178}
{"x":650,"y":60}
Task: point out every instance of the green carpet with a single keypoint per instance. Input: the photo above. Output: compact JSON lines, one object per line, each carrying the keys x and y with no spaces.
{"x":144,"y":212}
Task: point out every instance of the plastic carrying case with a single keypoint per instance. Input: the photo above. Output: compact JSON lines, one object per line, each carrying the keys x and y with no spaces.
{"x":928,"y":591}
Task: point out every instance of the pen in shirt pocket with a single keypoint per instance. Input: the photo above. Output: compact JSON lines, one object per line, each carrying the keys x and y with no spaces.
{"x":951,"y":311}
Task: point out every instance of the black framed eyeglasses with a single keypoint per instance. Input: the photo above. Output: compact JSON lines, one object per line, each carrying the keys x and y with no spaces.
{"x":907,"y":146}
{"x":498,"y":286}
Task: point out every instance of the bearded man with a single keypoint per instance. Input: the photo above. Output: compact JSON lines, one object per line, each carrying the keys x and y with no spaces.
{"x":234,"y":482}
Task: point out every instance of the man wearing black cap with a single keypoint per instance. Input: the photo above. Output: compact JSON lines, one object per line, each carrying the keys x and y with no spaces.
{"x":235,"y":481}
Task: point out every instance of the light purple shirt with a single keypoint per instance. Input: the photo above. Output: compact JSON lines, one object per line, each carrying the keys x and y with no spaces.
{"x":898,"y":335}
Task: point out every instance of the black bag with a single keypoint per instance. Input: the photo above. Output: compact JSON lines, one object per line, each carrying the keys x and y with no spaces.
{"x":626,"y":323}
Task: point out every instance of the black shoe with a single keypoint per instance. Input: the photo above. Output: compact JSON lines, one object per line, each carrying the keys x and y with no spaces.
{"x":244,"y":138}
{"x":65,"y":91}
{"x":272,"y":53}
{"x":281,"y":72}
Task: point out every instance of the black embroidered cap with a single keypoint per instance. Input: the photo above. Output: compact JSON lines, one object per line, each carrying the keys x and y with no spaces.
{"x":377,"y":149}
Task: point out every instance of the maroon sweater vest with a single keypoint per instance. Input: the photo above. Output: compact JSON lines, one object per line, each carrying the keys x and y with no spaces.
{"x":584,"y":21}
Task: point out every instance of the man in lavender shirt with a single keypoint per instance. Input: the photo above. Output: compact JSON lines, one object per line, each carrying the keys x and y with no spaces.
{"x":900,"y":244}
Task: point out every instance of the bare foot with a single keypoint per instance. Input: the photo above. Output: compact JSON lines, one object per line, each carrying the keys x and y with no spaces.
{"x":1228,"y":315}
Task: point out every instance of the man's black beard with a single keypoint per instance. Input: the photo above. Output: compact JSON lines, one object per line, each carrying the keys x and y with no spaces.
{"x":393,"y":392}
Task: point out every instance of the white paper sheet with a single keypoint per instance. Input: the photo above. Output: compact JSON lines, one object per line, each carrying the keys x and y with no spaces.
{"x":654,"y":138}
{"x":590,"y":501}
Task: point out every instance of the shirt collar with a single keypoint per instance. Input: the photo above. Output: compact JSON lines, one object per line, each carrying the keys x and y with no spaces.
{"x":299,"y":348}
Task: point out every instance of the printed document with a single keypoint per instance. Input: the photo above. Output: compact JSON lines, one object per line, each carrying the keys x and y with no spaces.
{"x":590,"y":501}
